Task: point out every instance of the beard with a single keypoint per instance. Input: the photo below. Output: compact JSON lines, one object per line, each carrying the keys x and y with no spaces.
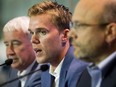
{"x":91,"y":53}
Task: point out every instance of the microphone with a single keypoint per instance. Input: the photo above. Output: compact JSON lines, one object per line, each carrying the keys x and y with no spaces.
{"x":42,"y":68}
{"x":7,"y":62}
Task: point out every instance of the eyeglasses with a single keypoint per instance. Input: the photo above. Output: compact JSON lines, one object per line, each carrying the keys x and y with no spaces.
{"x":77,"y":25}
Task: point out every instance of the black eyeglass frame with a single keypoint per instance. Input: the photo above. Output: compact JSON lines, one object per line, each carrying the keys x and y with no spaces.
{"x":77,"y":24}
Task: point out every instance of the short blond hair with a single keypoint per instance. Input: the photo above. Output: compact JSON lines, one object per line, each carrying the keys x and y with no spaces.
{"x":60,"y":15}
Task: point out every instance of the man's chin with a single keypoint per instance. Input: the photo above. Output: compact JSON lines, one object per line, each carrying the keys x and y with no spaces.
{"x":41,"y":61}
{"x":14,"y":66}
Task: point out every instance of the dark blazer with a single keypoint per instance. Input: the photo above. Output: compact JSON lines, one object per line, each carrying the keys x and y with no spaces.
{"x":70,"y":71}
{"x":108,"y":73}
{"x":33,"y":81}
{"x":110,"y":80}
{"x":5,"y":72}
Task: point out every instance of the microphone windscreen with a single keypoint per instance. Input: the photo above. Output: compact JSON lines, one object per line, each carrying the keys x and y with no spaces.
{"x":44,"y":67}
{"x":8,"y":61}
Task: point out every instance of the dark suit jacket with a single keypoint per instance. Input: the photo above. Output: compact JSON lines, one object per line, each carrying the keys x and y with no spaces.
{"x":33,"y":81}
{"x":70,"y":71}
{"x":108,"y":73}
{"x":109,"y":79}
{"x":5,"y":72}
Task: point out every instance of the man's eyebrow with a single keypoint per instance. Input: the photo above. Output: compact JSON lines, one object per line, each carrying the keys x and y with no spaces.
{"x":12,"y":41}
{"x":5,"y":42}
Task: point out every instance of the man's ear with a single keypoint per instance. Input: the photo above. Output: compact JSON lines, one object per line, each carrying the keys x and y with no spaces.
{"x":111,"y":33}
{"x":65,"y":35}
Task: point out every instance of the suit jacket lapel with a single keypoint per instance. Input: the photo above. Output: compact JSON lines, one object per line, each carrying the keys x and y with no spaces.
{"x":65,"y":66}
{"x":109,"y":73}
{"x":46,"y":79}
{"x":74,"y":72}
{"x":110,"y":80}
{"x":13,"y":75}
{"x":32,"y":69}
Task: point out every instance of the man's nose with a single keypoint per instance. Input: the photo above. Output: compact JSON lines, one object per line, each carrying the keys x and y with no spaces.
{"x":35,"y":39}
{"x":10,"y":50}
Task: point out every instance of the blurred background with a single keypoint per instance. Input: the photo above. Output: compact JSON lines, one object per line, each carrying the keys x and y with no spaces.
{"x":14,"y":8}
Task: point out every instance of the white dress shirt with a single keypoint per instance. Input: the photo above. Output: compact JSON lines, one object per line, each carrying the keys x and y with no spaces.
{"x":26,"y":71}
{"x":56,"y":73}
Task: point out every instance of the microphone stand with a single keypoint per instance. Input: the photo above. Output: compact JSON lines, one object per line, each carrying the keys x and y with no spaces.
{"x":7,"y":62}
{"x":42,"y":68}
{"x":2,"y":64}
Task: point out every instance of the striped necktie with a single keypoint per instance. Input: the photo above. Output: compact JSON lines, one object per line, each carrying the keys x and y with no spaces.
{"x":19,"y":83}
{"x":52,"y":81}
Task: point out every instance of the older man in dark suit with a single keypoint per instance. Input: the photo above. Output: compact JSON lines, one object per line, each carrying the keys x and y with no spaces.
{"x":94,"y":38}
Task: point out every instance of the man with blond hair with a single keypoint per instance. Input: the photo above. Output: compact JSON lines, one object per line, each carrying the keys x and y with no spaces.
{"x":49,"y":27}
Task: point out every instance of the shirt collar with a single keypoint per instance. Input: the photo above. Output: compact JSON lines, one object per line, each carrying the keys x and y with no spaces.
{"x":56,"y":72}
{"x":27,"y":70}
{"x":108,"y":63}
{"x":107,"y":60}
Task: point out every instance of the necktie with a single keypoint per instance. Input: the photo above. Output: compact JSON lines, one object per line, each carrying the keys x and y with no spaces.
{"x":52,"y":81}
{"x":19,"y":83}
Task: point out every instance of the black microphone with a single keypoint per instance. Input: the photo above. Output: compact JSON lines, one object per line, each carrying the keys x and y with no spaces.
{"x":42,"y":68}
{"x":7,"y":62}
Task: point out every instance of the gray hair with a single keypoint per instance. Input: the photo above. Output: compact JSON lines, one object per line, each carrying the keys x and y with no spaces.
{"x":18,"y":23}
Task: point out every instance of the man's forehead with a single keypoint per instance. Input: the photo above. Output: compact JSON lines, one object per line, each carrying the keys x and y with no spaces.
{"x":92,"y":4}
{"x":88,"y":10}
